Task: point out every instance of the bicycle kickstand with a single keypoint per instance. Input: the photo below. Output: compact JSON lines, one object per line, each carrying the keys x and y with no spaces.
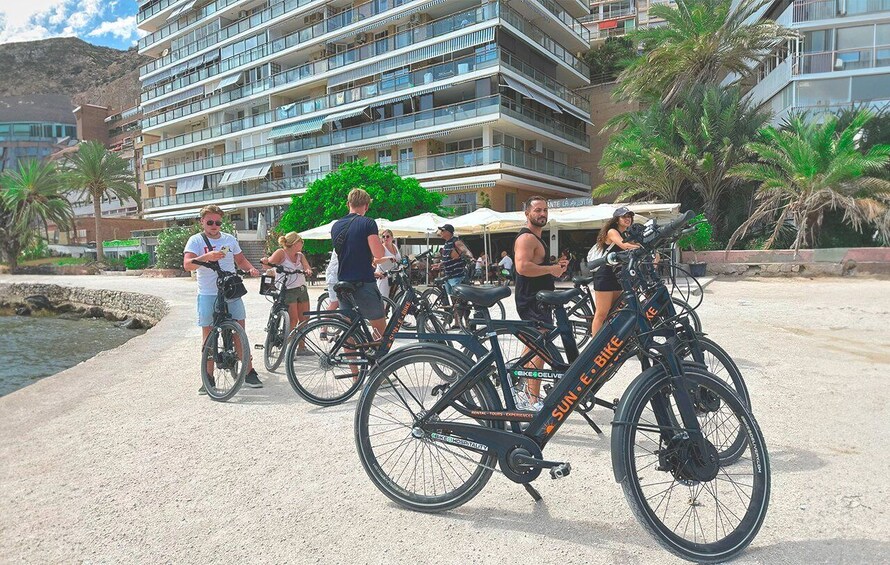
{"x":533,"y":491}
{"x":591,"y":422}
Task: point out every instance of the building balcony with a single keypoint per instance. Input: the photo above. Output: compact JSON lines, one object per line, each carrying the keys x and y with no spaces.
{"x":815,"y":10}
{"x":772,"y":83}
{"x":536,"y":35}
{"x":457,"y":115}
{"x":554,"y":20}
{"x":609,"y":13}
{"x":181,"y":24}
{"x":152,"y":14}
{"x":436,"y":77}
{"x":842,"y":60}
{"x":495,"y":158}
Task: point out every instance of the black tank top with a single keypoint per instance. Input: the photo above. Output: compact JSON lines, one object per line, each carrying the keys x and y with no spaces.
{"x":528,"y":287}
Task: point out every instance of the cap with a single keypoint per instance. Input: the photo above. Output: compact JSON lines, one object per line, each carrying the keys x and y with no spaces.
{"x":621,"y":211}
{"x":447,"y":227}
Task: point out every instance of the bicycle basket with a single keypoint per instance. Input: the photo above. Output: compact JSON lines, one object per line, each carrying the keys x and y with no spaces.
{"x":267,"y":285}
{"x":233,"y":286}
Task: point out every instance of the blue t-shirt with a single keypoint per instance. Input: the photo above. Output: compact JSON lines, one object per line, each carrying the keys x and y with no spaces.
{"x":356,"y":256}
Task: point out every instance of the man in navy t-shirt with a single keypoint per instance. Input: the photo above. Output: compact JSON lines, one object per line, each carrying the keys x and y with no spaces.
{"x":358,"y":248}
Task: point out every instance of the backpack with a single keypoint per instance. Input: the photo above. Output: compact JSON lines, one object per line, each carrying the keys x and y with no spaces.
{"x":596,"y":252}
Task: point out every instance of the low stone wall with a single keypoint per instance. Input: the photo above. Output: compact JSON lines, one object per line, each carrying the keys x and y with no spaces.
{"x":783,"y":262}
{"x":148,"y":310}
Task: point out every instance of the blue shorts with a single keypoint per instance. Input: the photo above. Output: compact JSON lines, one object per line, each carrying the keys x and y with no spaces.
{"x":205,"y":309}
{"x":451,"y":283}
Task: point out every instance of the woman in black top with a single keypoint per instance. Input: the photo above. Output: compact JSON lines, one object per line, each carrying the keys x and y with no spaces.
{"x":606,"y":287}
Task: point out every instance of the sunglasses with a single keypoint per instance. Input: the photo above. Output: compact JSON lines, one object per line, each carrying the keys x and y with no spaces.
{"x":212,"y":223}
{"x":387,"y":237}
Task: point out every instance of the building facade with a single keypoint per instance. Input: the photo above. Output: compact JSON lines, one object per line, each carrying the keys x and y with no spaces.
{"x":615,"y":18}
{"x":247,"y":101}
{"x":33,"y":127}
{"x":841,"y":59}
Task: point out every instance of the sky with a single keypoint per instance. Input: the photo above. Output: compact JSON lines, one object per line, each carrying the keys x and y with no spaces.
{"x":110,"y":23}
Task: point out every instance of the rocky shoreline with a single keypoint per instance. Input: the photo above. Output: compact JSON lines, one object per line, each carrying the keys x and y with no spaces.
{"x":130,"y":310}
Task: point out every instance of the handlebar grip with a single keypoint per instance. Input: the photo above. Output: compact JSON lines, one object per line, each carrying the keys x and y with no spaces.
{"x":672,"y":227}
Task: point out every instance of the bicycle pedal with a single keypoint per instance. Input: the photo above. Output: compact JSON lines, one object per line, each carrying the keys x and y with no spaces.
{"x":560,"y":471}
{"x":259,"y":346}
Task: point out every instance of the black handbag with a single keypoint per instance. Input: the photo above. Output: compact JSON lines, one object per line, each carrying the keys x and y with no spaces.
{"x":232,"y":285}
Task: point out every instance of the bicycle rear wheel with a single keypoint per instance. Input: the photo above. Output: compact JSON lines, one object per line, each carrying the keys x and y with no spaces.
{"x":224,"y":360}
{"x":684,"y":309}
{"x":420,"y":473}
{"x":276,"y":337}
{"x":325,"y":374}
{"x":323,"y":302}
{"x":695,"y":504}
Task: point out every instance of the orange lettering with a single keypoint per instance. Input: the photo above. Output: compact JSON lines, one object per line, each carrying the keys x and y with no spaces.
{"x":557,"y":414}
{"x":585,"y":379}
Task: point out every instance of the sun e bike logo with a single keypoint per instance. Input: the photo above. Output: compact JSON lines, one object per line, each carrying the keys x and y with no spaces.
{"x":651,"y":313}
{"x":572,"y":396}
{"x":405,"y":309}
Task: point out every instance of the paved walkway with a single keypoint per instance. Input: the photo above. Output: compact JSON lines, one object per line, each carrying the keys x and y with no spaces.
{"x":119,"y":460}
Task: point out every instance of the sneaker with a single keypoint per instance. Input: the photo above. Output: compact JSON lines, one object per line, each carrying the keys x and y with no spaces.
{"x":521,"y":400}
{"x":253,"y":380}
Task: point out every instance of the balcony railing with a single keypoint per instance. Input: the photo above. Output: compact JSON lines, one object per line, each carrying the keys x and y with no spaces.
{"x":497,"y":154}
{"x":566,"y":18}
{"x":535,"y":33}
{"x":610,"y":13}
{"x":153,"y":9}
{"x":179,"y":23}
{"x":813,"y":10}
{"x":234,"y":191}
{"x":842,"y":60}
{"x":384,"y":128}
{"x":302,"y":72}
{"x":370,"y":91}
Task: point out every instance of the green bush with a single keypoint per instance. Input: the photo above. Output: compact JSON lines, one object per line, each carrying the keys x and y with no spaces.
{"x":138,"y":261}
{"x":37,"y":250}
{"x":73,"y":261}
{"x":171,"y":243}
{"x":701,"y":239}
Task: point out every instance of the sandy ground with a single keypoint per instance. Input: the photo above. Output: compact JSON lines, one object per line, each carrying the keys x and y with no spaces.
{"x":119,"y":460}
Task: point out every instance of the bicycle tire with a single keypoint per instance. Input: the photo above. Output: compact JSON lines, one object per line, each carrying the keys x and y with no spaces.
{"x":436,"y":306}
{"x":583,"y":313}
{"x":631,"y":466}
{"x":384,"y":387}
{"x":229,"y":366}
{"x":331,"y":387}
{"x":276,"y":339}
{"x":323,"y":302}
{"x":389,"y":308}
{"x":684,"y":309}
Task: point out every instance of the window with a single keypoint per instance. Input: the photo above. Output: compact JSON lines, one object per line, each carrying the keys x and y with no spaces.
{"x":299,"y":169}
{"x":510,"y":201}
{"x":818,"y":41}
{"x":823,"y":92}
{"x":871,"y":87}
{"x":384,"y":157}
{"x":855,"y":37}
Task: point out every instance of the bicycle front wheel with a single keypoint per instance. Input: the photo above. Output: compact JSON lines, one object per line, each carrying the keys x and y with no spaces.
{"x":225,"y":357}
{"x":276,"y":338}
{"x":413,"y":469}
{"x":318,"y":369}
{"x":694,"y":503}
{"x":323,"y":302}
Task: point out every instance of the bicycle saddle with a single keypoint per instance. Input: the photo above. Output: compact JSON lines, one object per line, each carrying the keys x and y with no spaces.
{"x":346,"y":287}
{"x":486,"y":296}
{"x":578,"y":279}
{"x":440,"y":280}
{"x":557,"y":297}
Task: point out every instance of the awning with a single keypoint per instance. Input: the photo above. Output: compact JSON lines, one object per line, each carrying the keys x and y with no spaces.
{"x":228,"y":81}
{"x":190,"y":184}
{"x":174,"y":99}
{"x":420,"y":92}
{"x":532,"y":93}
{"x":252,"y":172}
{"x":210,"y":57}
{"x":299,"y":128}
{"x":382,"y":23}
{"x":343,"y":115}
{"x":182,"y":9}
{"x":195,"y":63}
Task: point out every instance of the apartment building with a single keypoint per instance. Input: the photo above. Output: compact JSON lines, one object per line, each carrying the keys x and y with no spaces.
{"x":34,"y":127}
{"x":248,"y":101}
{"x":841,"y":59}
{"x":615,"y":18}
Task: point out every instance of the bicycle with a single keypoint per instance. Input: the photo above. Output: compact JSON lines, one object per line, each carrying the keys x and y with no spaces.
{"x":343,"y":346}
{"x":451,"y":311}
{"x":278,"y":324}
{"x":668,"y":430}
{"x":225,"y":346}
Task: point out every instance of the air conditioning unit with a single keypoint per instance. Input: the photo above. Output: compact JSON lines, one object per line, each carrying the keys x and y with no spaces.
{"x":361,"y":38}
{"x":536,"y":147}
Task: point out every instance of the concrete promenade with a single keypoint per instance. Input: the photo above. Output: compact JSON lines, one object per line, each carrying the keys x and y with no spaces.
{"x":118,"y":460}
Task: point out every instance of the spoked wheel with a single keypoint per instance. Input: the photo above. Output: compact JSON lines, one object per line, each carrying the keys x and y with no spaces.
{"x":404,"y":462}
{"x":389,"y":308}
{"x":436,"y":306}
{"x":495,"y":312}
{"x":276,"y":338}
{"x":695,"y":505}
{"x":323,"y":302}
{"x":224,"y":360}
{"x":320,"y":370}
{"x":721,"y":365}
{"x":684,"y":309}
{"x":581,"y":317}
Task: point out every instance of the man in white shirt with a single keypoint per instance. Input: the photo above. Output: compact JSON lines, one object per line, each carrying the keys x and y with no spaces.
{"x":505,"y":264}
{"x":224,"y":249}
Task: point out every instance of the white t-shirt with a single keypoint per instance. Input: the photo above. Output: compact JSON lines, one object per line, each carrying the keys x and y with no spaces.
{"x":207,"y":277}
{"x":330,"y":273}
{"x":506,"y":263}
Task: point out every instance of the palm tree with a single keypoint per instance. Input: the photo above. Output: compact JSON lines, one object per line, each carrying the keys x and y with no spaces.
{"x":701,"y":42}
{"x":96,"y":173}
{"x":808,"y":168}
{"x":31,"y":196}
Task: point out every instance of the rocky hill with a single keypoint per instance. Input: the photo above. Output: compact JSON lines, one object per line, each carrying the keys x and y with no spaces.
{"x":87,"y":73}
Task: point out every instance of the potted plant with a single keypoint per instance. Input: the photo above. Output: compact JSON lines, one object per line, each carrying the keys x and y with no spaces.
{"x":698,"y":240}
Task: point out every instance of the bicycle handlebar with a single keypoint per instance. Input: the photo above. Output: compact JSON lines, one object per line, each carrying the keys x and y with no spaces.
{"x":214,"y":266}
{"x":282,"y":270}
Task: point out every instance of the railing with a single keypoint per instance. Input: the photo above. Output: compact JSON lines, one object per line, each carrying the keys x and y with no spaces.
{"x":497,"y":154}
{"x":404,"y":39}
{"x":842,"y":60}
{"x":535,"y":33}
{"x":609,"y":13}
{"x":369,"y":91}
{"x":174,"y":26}
{"x":814,"y":10}
{"x":333,"y":100}
{"x":607,"y":33}
{"x":545,"y":122}
{"x":566,"y":18}
{"x":234,"y":191}
{"x":153,"y":9}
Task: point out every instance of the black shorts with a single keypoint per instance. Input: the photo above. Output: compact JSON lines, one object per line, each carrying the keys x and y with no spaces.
{"x":533,"y":312}
{"x":605,"y":280}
